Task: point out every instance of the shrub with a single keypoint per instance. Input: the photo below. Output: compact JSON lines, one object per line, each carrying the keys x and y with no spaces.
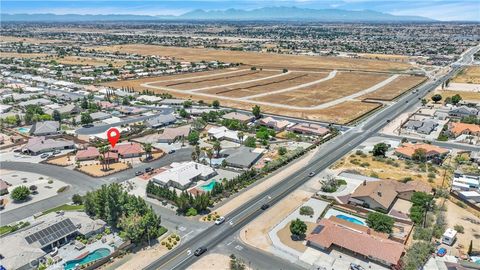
{"x":380,"y":222}
{"x":62,"y":189}
{"x":298,"y":227}
{"x":193,"y":212}
{"x":77,"y":199}
{"x":306,"y":211}
{"x":461,"y":204}
{"x":20,"y":193}
{"x":374,"y":174}
{"x":459,"y":228}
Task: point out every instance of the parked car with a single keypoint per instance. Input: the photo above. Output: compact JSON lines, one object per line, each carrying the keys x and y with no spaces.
{"x":219,"y":220}
{"x":148,"y":169}
{"x":311,"y":174}
{"x":44,"y":155}
{"x":441,"y":252}
{"x":88,"y":126}
{"x":171,"y":151}
{"x":354,"y":266}
{"x":56,"y":152}
{"x":265,"y":206}
{"x":200,"y":251}
{"x":138,"y":173}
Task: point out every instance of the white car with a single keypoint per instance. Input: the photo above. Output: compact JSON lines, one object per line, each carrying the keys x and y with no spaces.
{"x":219,"y":220}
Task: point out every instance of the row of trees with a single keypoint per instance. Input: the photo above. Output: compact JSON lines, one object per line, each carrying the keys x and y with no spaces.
{"x":131,"y":214}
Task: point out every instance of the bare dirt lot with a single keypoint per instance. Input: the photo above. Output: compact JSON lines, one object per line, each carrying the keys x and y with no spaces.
{"x":260,"y":59}
{"x":468,"y":75}
{"x":395,"y":88}
{"x":466,"y":95}
{"x":343,"y":84}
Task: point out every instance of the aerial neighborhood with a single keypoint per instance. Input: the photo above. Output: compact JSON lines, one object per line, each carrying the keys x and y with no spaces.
{"x":180,"y":142}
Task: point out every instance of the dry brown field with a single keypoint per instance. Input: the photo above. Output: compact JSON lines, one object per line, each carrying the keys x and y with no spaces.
{"x":22,"y":55}
{"x":265,"y":86}
{"x":197,"y":83}
{"x":260,"y":59}
{"x":395,"y":88}
{"x":466,"y":95}
{"x":469,"y":75}
{"x":343,"y":84}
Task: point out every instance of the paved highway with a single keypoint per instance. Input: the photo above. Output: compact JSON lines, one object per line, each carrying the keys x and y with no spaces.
{"x":182,"y":257}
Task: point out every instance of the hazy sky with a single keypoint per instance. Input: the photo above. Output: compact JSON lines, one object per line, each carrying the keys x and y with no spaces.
{"x":435,"y":9}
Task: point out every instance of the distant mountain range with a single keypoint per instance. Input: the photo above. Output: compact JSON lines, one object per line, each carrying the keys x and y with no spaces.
{"x":261,"y":14}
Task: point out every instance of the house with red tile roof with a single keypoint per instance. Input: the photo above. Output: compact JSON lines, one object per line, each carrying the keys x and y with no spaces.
{"x":337,"y":234}
{"x":407,"y":150}
{"x":128,"y":150}
{"x":456,"y":129}
{"x":90,"y":153}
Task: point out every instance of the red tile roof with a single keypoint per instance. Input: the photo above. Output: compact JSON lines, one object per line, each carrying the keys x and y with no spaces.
{"x":408,"y":149}
{"x":361,"y":241}
{"x":89,"y":153}
{"x":128,"y":149}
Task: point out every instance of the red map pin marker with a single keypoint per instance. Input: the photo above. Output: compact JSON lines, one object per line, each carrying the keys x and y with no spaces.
{"x":113,"y":136}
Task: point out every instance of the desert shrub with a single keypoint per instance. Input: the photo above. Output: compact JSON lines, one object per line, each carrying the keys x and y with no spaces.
{"x":306,"y":211}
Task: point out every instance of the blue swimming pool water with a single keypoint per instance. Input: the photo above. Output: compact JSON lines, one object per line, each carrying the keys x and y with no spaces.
{"x":351,"y":219}
{"x":23,"y":129}
{"x":208,"y":187}
{"x":92,"y":256}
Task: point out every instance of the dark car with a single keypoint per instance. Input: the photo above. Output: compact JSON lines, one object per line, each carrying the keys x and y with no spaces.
{"x":311,"y":174}
{"x":265,"y":206}
{"x":171,"y":151}
{"x":88,"y":126}
{"x":138,"y":173}
{"x":354,"y":266}
{"x":148,"y":169}
{"x":200,"y":251}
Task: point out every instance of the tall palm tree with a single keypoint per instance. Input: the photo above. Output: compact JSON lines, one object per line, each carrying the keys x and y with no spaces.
{"x":147,"y":147}
{"x":198,"y":151}
{"x":217,"y":147}
{"x":103,"y":150}
{"x":209,"y":153}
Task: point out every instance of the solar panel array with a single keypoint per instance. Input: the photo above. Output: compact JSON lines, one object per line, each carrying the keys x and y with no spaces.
{"x":52,"y":233}
{"x":318,"y":229}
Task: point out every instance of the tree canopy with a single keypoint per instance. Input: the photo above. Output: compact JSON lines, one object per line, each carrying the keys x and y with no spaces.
{"x":380,"y":222}
{"x":298,"y":227}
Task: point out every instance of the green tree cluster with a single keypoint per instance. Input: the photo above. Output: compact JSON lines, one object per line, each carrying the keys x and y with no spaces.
{"x":380,"y":222}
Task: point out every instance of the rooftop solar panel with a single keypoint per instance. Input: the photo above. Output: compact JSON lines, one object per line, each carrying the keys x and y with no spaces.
{"x":52,"y":233}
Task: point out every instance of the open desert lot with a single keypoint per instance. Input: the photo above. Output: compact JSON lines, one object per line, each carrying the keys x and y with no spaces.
{"x":260,"y":59}
{"x":468,"y":75}
{"x":343,"y":84}
{"x":396,"y":87}
{"x":466,"y":95}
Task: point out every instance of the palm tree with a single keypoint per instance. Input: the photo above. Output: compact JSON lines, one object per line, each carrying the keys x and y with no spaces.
{"x":240,"y":136}
{"x":209,"y":153}
{"x":103,"y":150}
{"x":217,"y":147}
{"x":194,"y":156}
{"x":147,"y":147}
{"x":198,"y":151}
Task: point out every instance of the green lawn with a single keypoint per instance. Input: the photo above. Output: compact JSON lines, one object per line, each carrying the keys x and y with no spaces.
{"x":65,"y":207}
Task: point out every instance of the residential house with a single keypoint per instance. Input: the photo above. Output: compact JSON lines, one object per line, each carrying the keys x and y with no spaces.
{"x":407,"y":150}
{"x":45,"y":128}
{"x":309,"y":128}
{"x":90,"y":153}
{"x":38,"y":101}
{"x":68,"y":109}
{"x":5,"y":108}
{"x":383,"y":193}
{"x":456,"y":129}
{"x":183,"y":175}
{"x":425,"y":126}
{"x":242,"y":117}
{"x":277,"y":125}
{"x":223,"y":133}
{"x":128,"y":150}
{"x":160,"y":120}
{"x":242,"y":157}
{"x":337,"y":234}
{"x":38,"y":145}
{"x":169,"y":101}
{"x":170,"y":135}
{"x":463,"y":111}
{"x":4,"y":187}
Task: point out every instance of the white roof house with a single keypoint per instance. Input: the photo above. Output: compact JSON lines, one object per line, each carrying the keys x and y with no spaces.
{"x":223,"y":133}
{"x":181,"y":175}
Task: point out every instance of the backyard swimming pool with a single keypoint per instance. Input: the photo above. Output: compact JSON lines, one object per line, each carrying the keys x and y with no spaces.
{"x":208,"y":187}
{"x":345,"y":216}
{"x":23,"y":130}
{"x":92,"y":256}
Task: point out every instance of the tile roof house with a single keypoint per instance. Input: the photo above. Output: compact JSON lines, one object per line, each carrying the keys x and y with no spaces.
{"x":407,"y":150}
{"x":182,"y":175}
{"x":334,"y":233}
{"x":457,"y":129}
{"x":383,"y":193}
{"x":309,"y":128}
{"x":160,"y":120}
{"x":38,"y":145}
{"x":45,"y":128}
{"x":277,"y":125}
{"x":242,"y":117}
{"x":169,"y":135}
{"x":87,"y":154}
{"x":128,"y":150}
